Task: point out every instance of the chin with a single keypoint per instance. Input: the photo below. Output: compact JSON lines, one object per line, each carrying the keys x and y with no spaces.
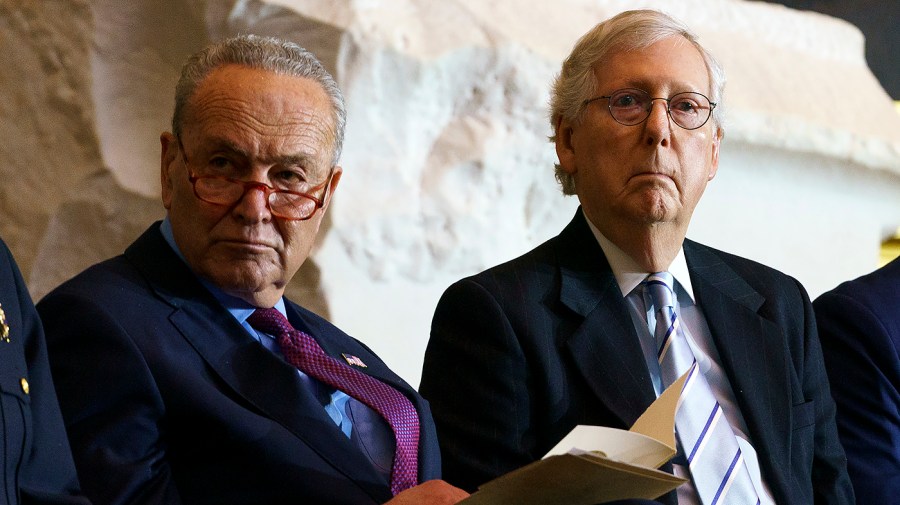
{"x":653,"y":212}
{"x":236,"y":279}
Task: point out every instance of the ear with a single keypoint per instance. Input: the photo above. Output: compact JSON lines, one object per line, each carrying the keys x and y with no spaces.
{"x":565,"y":150}
{"x":169,"y":151}
{"x":714,"y":155}
{"x":332,"y":186}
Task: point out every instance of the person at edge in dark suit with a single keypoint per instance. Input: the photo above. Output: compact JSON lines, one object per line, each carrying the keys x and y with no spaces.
{"x":859,"y":325}
{"x":37,"y":465}
{"x":570,"y":334}
{"x":184,"y":375}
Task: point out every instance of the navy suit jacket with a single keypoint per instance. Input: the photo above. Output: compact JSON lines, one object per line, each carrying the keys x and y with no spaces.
{"x":522,"y":353}
{"x":167,"y":399}
{"x":859,"y":325}
{"x":36,"y":465}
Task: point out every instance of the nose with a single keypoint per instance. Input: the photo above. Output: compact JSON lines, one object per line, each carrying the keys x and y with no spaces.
{"x":253,"y":207}
{"x":658,"y":127}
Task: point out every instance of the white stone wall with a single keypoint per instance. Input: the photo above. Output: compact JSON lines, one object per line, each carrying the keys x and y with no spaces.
{"x":447,"y":167}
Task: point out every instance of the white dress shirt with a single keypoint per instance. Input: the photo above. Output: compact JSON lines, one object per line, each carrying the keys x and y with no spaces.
{"x":629,"y":277}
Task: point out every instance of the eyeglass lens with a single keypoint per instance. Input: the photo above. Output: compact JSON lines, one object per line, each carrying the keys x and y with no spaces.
{"x":223,"y":191}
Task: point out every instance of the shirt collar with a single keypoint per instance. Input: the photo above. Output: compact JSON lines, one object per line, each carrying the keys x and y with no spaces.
{"x":627,"y":272}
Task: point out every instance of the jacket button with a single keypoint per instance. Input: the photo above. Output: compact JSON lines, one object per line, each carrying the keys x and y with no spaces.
{"x":24,"y":383}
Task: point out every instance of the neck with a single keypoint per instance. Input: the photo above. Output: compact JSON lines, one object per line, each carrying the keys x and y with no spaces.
{"x":653,"y":247}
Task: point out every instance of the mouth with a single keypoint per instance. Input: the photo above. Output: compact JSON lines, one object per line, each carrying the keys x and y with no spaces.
{"x":248,"y":245}
{"x":652,"y":174}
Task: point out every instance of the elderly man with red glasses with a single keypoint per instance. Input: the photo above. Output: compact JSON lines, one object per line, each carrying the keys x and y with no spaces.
{"x":591,"y":326}
{"x":184,"y":375}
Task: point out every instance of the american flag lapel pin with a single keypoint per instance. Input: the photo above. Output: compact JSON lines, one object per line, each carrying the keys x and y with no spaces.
{"x":353,"y":360}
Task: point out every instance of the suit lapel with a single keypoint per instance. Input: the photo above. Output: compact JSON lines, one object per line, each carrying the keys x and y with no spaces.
{"x":605,"y":346}
{"x":330,"y":337}
{"x":261,"y":378}
{"x":752,"y":352}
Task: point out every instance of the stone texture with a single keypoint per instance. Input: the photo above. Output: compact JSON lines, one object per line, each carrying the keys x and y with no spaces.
{"x":447,"y":166}
{"x":46,"y":115}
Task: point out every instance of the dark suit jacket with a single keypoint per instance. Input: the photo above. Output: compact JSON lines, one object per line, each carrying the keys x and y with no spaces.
{"x":859,"y":324}
{"x":524,"y":352}
{"x":36,"y":462}
{"x":168,"y":400}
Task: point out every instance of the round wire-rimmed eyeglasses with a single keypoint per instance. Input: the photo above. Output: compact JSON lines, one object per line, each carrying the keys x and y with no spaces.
{"x":631,"y":106}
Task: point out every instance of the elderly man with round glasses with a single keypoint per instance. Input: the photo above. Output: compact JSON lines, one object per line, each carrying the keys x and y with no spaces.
{"x":184,"y":375}
{"x":591,"y":326}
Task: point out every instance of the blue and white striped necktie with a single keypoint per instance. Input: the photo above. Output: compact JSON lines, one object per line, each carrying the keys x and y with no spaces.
{"x":709,"y":445}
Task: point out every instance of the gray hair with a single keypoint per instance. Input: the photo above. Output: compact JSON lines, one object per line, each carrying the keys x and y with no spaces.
{"x":263,"y":53}
{"x":628,"y":31}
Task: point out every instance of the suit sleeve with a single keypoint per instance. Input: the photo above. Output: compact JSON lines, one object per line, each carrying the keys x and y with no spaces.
{"x":482,"y":415}
{"x":830,"y":482}
{"x":113,"y":411}
{"x":864,"y":371}
{"x":46,"y":474}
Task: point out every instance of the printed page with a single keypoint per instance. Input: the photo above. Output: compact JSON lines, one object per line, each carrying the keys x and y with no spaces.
{"x":595,"y":464}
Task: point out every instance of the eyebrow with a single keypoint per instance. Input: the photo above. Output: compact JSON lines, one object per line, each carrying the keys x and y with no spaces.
{"x":675,"y":87}
{"x":218,"y":144}
{"x":304,"y":160}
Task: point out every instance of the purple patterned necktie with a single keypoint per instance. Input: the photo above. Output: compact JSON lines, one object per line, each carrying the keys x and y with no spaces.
{"x":304,"y":352}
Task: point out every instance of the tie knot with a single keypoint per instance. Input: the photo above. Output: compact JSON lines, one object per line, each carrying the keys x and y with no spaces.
{"x":660,"y":287}
{"x":269,"y":321}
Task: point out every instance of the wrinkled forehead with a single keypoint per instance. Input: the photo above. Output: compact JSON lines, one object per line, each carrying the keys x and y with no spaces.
{"x":261,"y":109}
{"x":672,"y":61}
